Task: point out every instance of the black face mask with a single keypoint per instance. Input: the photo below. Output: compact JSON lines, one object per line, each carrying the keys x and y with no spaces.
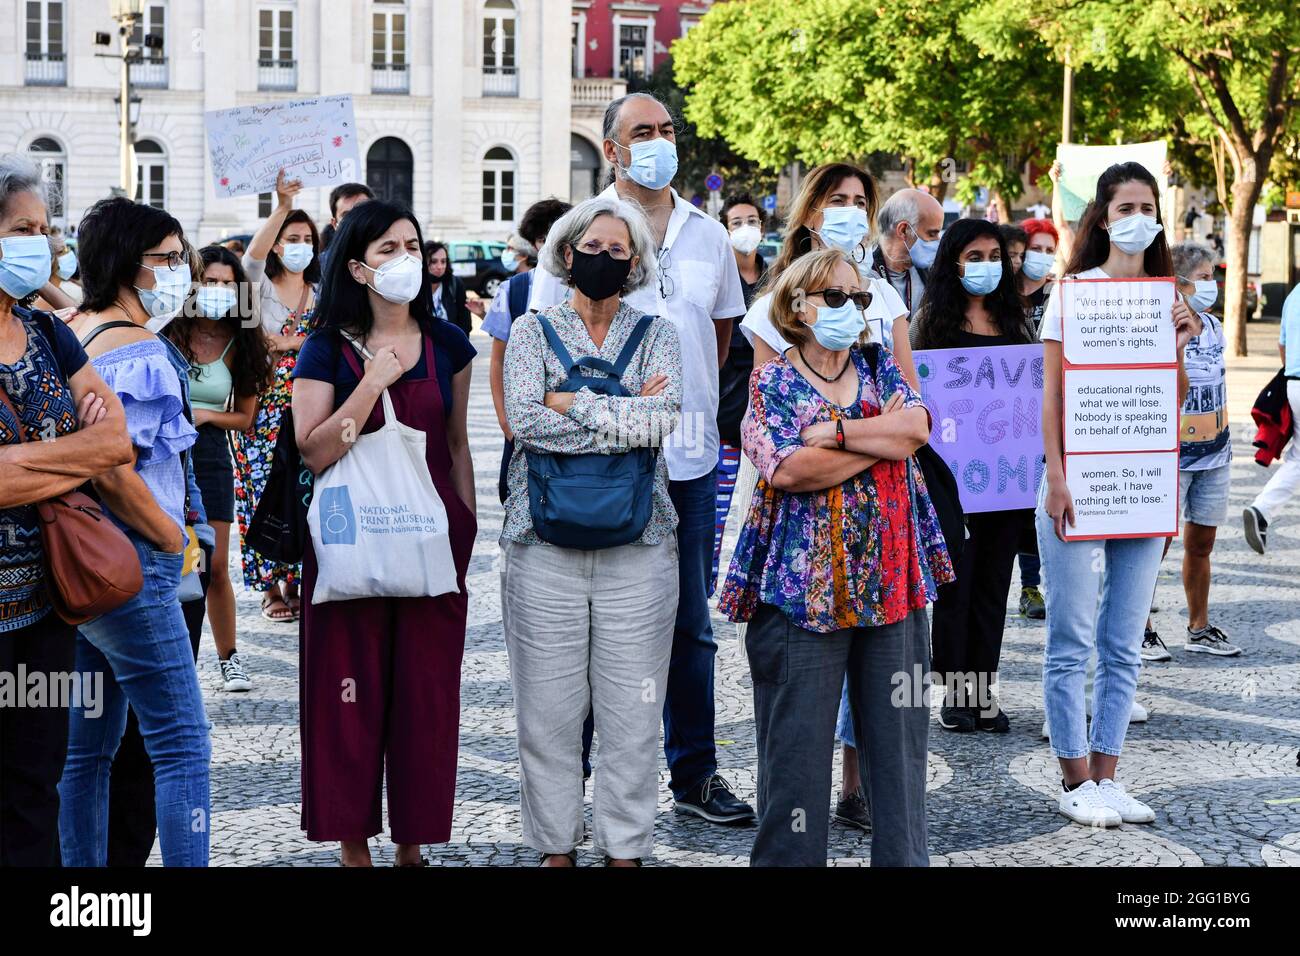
{"x":598,"y":276}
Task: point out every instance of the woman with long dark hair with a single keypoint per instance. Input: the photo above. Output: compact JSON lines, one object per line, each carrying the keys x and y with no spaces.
{"x":283,"y":258}
{"x":402,"y":656}
{"x":230,"y":365}
{"x":1119,"y":237}
{"x":971,"y":302}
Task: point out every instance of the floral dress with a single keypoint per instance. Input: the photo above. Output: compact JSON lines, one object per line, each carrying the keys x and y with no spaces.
{"x":254,"y":452}
{"x":861,"y":554}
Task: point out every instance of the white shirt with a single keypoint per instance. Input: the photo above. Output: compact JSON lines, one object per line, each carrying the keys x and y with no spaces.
{"x":703,"y":284}
{"x":1051,"y":327}
{"x":886,"y":306}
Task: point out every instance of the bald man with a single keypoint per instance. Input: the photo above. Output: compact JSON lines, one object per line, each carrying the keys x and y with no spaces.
{"x":910,"y":223}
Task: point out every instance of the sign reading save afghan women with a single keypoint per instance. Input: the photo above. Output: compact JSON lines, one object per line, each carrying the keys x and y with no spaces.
{"x":312,"y":140}
{"x":986,"y":408}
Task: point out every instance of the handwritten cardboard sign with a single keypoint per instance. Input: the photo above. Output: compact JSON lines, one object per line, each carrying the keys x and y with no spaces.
{"x":313,"y":140}
{"x":986,"y":406}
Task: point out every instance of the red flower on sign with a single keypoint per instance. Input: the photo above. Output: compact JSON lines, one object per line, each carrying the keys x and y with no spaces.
{"x":338,"y":140}
{"x":225,"y":180}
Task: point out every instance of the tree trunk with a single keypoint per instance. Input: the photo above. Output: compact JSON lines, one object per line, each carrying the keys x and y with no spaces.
{"x":1241,"y":220}
{"x":938,"y":183}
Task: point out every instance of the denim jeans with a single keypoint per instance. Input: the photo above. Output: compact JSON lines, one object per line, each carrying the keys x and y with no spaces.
{"x":143,"y":650}
{"x":1099,"y":597}
{"x":688,"y":704}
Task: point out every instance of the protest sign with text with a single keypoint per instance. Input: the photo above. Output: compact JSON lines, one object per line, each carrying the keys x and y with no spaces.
{"x":312,"y":140}
{"x":986,"y":408}
{"x":1120,"y":407}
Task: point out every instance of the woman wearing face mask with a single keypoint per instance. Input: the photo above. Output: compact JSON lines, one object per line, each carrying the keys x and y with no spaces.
{"x":282,"y":259}
{"x":839,"y":555}
{"x":402,"y":655}
{"x":591,"y":629}
{"x":136,"y":276}
{"x":449,"y":295}
{"x":50,"y":389}
{"x":971,"y":302}
{"x":64,"y":268}
{"x":1119,"y":237}
{"x":1204,"y":456}
{"x":230,"y":365}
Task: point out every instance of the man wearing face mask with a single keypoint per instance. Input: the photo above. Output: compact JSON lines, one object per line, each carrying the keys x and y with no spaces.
{"x":910,"y":224}
{"x":698,"y":288}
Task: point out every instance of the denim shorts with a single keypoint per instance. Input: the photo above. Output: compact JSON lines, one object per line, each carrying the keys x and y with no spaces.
{"x":1204,"y":495}
{"x":215,"y":473}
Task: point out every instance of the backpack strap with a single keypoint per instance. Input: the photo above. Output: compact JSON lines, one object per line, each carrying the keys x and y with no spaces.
{"x":632,"y":344}
{"x":517,"y":291}
{"x":104,"y":327}
{"x":553,"y":339}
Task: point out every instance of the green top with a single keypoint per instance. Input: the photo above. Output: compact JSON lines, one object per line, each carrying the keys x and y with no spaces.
{"x":211,"y":383}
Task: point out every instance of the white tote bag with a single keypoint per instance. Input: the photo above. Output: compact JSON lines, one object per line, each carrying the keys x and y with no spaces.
{"x":377,"y":524}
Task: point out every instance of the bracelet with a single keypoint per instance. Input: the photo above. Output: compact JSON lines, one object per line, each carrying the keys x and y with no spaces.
{"x":839,"y":432}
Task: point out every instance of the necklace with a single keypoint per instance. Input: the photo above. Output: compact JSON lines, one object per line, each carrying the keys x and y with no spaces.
{"x":830,"y":379}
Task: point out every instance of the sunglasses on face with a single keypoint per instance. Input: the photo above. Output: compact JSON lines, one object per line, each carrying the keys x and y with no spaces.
{"x":835,"y":298}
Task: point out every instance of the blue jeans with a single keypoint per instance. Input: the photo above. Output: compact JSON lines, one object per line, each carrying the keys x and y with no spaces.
{"x":143,"y":650}
{"x":688,"y":703}
{"x":1123,"y":572}
{"x":844,"y":722}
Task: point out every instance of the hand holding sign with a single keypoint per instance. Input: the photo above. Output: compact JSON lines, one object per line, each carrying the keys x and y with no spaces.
{"x":286,"y":189}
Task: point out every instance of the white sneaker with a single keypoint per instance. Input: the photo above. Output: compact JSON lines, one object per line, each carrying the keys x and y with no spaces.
{"x":1138,"y":715}
{"x":233,"y":676}
{"x":1129,"y":810}
{"x":1047,"y":733}
{"x":1084,"y":805}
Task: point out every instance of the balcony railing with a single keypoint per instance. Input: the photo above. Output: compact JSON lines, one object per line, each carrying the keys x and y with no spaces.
{"x":390,"y":78}
{"x":596,"y":92}
{"x":500,"y":81}
{"x":277,"y":74}
{"x":150,"y":73}
{"x":46,"y":69}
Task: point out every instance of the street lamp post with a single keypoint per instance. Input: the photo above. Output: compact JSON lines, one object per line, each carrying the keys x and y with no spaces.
{"x":127,"y":13}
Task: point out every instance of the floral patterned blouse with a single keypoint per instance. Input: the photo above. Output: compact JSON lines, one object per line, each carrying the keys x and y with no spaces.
{"x":595,"y":423}
{"x":862,"y":554}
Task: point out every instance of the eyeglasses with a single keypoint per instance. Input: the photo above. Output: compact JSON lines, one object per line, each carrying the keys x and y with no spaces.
{"x":593,"y":248}
{"x":666,"y":286}
{"x":174,"y":259}
{"x":737,"y":223}
{"x":835,"y":298}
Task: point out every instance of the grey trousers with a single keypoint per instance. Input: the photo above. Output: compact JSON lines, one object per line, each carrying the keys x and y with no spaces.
{"x":798,"y":676}
{"x":589,"y":630}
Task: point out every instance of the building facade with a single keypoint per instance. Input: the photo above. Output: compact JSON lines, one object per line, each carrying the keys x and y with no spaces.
{"x":466,"y":109}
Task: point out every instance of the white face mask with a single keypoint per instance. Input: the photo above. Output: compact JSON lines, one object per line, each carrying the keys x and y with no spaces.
{"x":398,"y":280}
{"x":746,"y":239}
{"x":1134,"y":233}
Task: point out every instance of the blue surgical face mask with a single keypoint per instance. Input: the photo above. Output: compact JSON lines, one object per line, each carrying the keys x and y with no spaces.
{"x":509,"y":260}
{"x":67,"y":264}
{"x":297,"y":256}
{"x":981,"y":278}
{"x":1037,"y":264}
{"x":215,"y":301}
{"x":1134,"y":233}
{"x":654,"y":162}
{"x":837,"y":329}
{"x":165,"y":299}
{"x":843,"y":227}
{"x":923,"y":251}
{"x":24,"y":264}
{"x":1207,"y":293}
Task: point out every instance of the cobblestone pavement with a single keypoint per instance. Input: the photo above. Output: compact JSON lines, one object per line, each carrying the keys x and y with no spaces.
{"x":1217,"y":760}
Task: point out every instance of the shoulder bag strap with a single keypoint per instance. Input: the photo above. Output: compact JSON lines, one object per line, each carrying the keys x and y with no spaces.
{"x":104,"y":327}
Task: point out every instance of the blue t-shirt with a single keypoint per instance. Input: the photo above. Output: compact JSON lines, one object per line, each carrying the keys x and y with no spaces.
{"x":321,"y":358}
{"x":1290,"y":332}
{"x":499,"y":316}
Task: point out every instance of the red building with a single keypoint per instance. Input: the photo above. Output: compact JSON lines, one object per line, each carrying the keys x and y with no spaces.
{"x":628,"y":38}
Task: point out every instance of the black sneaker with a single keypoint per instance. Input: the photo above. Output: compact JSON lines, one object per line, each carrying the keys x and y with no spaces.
{"x":995,"y":723}
{"x":1256,"y":529}
{"x":714,"y":801}
{"x":959,"y":719}
{"x":1153,"y":649}
{"x":852,"y":811}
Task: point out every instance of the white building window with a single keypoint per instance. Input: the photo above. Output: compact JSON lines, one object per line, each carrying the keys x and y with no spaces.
{"x":50,"y":156}
{"x":276,"y":67}
{"x":579,"y":45}
{"x":265,"y":205}
{"x":498,"y":185}
{"x":150,"y":173}
{"x":389,"y":66}
{"x":151,"y":71}
{"x":46,"y":63}
{"x":634,"y":38}
{"x":500,"y":71}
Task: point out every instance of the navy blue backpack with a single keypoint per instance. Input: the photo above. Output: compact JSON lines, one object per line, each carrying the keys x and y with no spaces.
{"x":592,"y":501}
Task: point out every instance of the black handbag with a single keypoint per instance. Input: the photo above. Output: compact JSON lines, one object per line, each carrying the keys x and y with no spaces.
{"x":278,"y":529}
{"x":946,"y":498}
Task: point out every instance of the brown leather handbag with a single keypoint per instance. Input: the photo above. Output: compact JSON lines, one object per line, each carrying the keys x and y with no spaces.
{"x":91,"y":565}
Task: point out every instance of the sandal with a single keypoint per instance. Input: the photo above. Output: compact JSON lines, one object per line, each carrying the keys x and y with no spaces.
{"x":283,"y":616}
{"x":293,"y":602}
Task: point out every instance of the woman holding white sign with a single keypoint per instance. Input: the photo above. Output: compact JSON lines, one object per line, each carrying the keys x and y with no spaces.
{"x":1119,"y":237}
{"x":380,"y":676}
